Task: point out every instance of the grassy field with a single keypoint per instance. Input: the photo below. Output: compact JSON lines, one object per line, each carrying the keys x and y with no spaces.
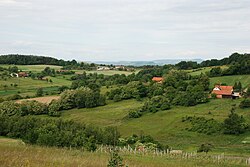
{"x":109,"y":72}
{"x":28,"y":86}
{"x":167,"y":126}
{"x":39,"y":68}
{"x":230,"y":80}
{"x":15,"y":153}
{"x":204,"y":70}
{"x":33,"y":68}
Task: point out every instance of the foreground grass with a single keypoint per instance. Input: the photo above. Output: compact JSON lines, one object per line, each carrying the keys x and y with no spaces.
{"x":16,"y":153}
{"x":167,"y":126}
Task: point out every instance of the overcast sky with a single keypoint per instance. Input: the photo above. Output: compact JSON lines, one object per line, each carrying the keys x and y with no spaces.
{"x":113,"y":30}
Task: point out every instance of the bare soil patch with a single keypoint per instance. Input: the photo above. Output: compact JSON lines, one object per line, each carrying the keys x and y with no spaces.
{"x":45,"y":100}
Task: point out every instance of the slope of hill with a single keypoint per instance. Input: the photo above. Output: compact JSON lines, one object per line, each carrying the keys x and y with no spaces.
{"x":167,"y":126}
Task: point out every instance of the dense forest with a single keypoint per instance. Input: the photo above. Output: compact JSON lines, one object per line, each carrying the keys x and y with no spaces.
{"x":16,"y":59}
{"x":235,"y":58}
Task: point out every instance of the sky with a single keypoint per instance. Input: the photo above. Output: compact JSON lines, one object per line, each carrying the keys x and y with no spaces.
{"x":116,"y":30}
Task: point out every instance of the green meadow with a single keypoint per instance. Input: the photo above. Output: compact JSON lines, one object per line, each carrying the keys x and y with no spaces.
{"x":203,"y":70}
{"x":108,"y":72}
{"x":33,"y":68}
{"x":167,"y":126}
{"x":230,"y":80}
{"x":28,"y":86}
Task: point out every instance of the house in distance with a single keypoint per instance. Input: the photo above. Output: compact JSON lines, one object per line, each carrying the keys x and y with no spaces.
{"x":157,"y":79}
{"x":225,"y":92}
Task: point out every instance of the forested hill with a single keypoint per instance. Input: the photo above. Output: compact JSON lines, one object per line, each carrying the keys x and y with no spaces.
{"x":234,"y":58}
{"x":33,"y":60}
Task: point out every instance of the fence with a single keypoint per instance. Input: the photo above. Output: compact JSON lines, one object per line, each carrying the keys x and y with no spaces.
{"x":177,"y":154}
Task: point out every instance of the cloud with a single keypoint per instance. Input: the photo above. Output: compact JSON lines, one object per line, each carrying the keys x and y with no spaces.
{"x":9,"y":3}
{"x":127,"y":29}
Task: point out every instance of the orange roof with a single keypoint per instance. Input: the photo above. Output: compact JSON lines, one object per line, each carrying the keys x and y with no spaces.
{"x":223,"y":90}
{"x":157,"y":79}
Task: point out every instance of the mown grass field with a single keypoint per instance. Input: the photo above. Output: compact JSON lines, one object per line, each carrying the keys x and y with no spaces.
{"x":230,"y":80}
{"x":167,"y":126}
{"x":204,"y":70}
{"x":33,"y":68}
{"x":15,"y":153}
{"x":28,"y":86}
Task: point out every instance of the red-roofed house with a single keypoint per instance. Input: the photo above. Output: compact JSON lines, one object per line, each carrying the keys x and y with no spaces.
{"x":223,"y":91}
{"x":157,"y":79}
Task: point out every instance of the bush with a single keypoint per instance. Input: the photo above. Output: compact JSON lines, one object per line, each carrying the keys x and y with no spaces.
{"x":134,"y":114}
{"x":205,"y":148}
{"x":39,"y":92}
{"x":155,"y":104}
{"x":203,"y":125}
{"x":55,"y":132}
{"x":54,"y":108}
{"x":245,"y":103}
{"x":11,"y":108}
{"x":117,"y":98}
{"x":115,"y":159}
{"x":234,"y":124}
{"x":15,"y":97}
{"x":33,"y":108}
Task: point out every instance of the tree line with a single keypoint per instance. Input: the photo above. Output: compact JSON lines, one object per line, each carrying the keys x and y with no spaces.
{"x":233,"y":59}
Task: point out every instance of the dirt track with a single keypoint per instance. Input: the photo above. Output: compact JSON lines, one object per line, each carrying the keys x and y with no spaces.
{"x":45,"y":100}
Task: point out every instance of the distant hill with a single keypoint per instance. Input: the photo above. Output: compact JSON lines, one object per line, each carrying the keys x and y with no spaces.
{"x":153,"y":62}
{"x":17,"y":59}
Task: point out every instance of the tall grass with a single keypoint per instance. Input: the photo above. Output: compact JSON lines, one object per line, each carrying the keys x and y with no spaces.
{"x":15,"y":153}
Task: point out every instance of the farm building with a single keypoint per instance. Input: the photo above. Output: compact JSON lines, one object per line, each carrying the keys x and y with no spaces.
{"x":224,"y":92}
{"x":157,"y":79}
{"x":102,"y":68}
{"x":22,"y":74}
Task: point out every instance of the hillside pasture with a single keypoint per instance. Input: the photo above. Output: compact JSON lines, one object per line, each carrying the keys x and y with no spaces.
{"x":203,"y":70}
{"x":33,"y":68}
{"x":230,"y":80}
{"x":167,"y":126}
{"x":28,"y":86}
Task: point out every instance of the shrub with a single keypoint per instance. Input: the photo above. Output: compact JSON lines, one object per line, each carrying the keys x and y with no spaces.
{"x":245,"y":103}
{"x":39,"y":92}
{"x":205,"y":148}
{"x":15,"y":97}
{"x":155,"y":104}
{"x":234,"y":124}
{"x":134,"y":114}
{"x":203,"y":125}
{"x":54,"y":108}
{"x":115,"y":159}
{"x":117,"y":98}
{"x":33,"y":108}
